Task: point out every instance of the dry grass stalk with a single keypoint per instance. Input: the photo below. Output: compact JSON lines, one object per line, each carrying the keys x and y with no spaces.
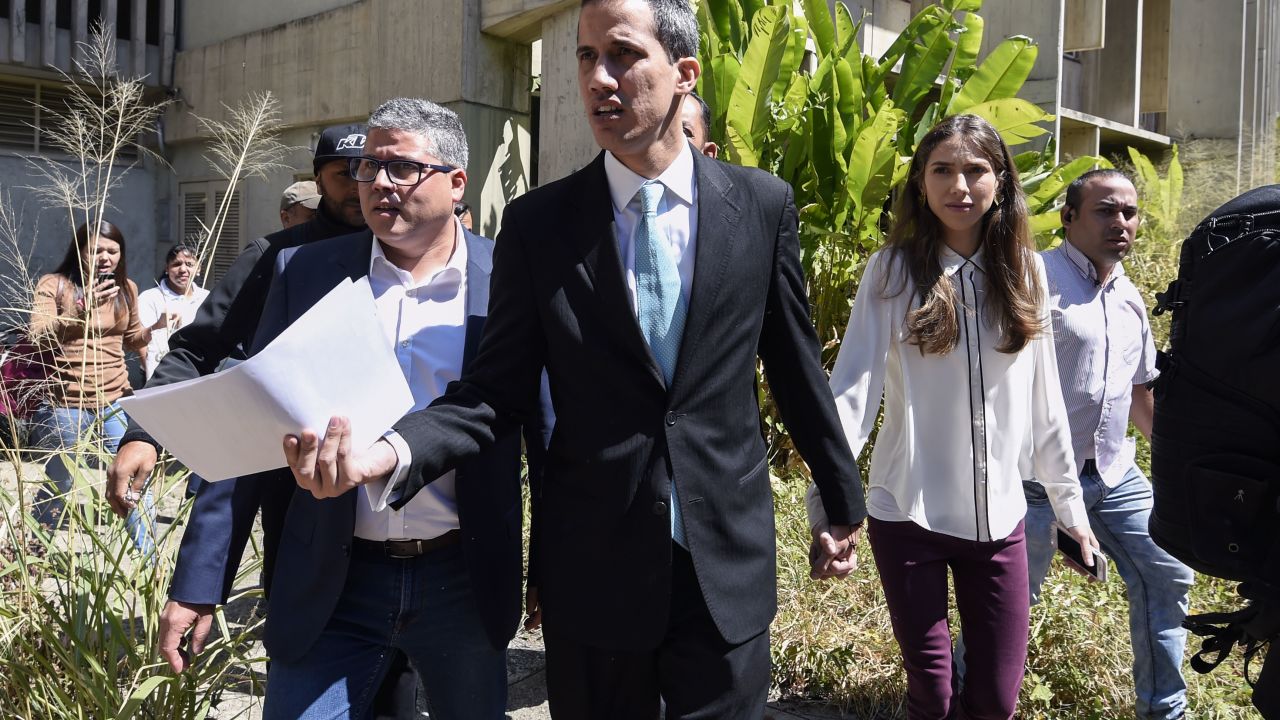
{"x":245,"y":144}
{"x":104,"y":116}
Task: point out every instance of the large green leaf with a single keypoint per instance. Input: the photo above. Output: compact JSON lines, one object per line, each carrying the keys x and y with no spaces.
{"x":1147,"y":175}
{"x":1056,"y":182}
{"x":849,"y":98}
{"x":873,"y":151}
{"x":1014,"y":118}
{"x":139,"y":696}
{"x":827,"y":139}
{"x":1000,"y":75}
{"x":927,"y":120}
{"x":921,"y":66}
{"x":717,"y":12}
{"x":792,"y":59}
{"x":821,"y":25}
{"x":846,"y":30}
{"x":920,"y":26}
{"x":720,"y":83}
{"x":749,"y":114}
{"x":749,"y":8}
{"x":968,"y":44}
{"x":1043,"y":225}
{"x":790,"y":110}
{"x":970,"y":6}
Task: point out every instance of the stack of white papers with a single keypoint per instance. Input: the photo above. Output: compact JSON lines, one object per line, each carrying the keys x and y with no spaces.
{"x":334,"y":360}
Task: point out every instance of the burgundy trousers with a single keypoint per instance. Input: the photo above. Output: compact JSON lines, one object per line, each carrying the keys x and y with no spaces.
{"x":991,"y":597}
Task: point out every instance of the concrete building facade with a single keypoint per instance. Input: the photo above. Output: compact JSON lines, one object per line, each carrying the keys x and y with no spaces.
{"x":37,"y":40}
{"x":1112,"y":72}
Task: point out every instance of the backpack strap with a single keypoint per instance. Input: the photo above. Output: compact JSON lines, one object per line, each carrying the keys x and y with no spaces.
{"x":1252,"y":627}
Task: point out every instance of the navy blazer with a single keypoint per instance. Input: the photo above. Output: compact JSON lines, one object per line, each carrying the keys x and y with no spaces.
{"x":316,"y":542}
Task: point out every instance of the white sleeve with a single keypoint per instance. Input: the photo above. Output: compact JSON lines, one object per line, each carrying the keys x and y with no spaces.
{"x":379,"y":491}
{"x":857,"y":380}
{"x":1054,"y":460}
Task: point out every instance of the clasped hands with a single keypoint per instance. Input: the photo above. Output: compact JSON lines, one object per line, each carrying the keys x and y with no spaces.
{"x":327,"y":467}
{"x":832,"y":551}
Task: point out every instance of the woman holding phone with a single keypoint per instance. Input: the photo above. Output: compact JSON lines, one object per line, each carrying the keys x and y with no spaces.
{"x":949,"y":325}
{"x":86,"y":315}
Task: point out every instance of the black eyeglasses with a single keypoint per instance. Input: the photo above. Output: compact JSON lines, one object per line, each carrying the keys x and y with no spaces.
{"x":400,"y":172}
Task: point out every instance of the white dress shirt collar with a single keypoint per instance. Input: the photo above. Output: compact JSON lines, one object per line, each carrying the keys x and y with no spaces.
{"x":1085,"y":266}
{"x":446,"y":280}
{"x":952,"y":261}
{"x":624,"y":183}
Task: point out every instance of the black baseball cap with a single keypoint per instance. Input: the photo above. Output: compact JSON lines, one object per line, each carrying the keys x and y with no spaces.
{"x":339,"y":142}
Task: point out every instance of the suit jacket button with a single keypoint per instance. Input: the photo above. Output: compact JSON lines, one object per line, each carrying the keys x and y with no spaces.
{"x":671,"y":418}
{"x":659,"y":508}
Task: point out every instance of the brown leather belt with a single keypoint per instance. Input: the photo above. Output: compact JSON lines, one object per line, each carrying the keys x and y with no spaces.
{"x":405,"y":549}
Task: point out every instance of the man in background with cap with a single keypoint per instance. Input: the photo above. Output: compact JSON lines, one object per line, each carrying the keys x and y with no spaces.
{"x":222,"y":330}
{"x":298,"y":203}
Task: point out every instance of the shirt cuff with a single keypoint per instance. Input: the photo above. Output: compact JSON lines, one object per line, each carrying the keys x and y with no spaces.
{"x":816,"y":510}
{"x":381,"y":492}
{"x":1072,"y":514}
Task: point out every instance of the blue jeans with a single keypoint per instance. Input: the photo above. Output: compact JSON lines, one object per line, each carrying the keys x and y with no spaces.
{"x":1157,"y":584}
{"x":62,"y":430}
{"x":423,"y":606}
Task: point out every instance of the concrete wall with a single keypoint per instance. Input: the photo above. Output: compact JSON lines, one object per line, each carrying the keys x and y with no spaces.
{"x":1205,"y":64}
{"x":46,"y":230}
{"x":566,"y":143}
{"x":206,"y":23}
{"x":337,"y":66}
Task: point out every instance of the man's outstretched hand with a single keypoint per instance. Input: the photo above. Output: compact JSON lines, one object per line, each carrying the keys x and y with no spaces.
{"x":176,"y":620}
{"x":832,"y":552}
{"x":328,"y":468}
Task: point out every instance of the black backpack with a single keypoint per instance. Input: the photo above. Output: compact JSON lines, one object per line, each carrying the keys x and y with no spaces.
{"x":1215,"y":444}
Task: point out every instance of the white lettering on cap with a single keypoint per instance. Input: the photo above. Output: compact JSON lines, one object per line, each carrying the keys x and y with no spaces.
{"x":354,"y":141}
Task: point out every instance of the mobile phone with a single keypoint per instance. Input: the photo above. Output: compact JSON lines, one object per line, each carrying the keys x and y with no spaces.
{"x":1073,"y":555}
{"x":103,"y":277}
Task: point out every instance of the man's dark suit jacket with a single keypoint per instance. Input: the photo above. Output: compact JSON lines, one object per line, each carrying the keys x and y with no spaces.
{"x":559,"y":299}
{"x":316,"y":543}
{"x":224,"y":328}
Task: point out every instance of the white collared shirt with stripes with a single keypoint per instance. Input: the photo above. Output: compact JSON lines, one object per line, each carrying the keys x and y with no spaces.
{"x":961,"y":431}
{"x":1104,"y":347}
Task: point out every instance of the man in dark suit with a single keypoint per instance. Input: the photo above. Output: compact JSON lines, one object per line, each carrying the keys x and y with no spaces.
{"x":647,"y":284}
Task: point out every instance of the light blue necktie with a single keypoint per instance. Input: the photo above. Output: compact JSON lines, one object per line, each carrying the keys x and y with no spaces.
{"x":660,"y":307}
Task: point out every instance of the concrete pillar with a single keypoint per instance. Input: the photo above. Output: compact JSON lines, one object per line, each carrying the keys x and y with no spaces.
{"x":1206,"y":67}
{"x":565,"y":142}
{"x":1111,"y":71}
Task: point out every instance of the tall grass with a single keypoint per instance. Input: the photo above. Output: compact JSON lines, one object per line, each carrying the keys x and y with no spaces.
{"x":79,"y":608}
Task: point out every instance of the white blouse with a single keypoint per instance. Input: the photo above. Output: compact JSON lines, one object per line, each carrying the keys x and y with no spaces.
{"x":962,"y":430}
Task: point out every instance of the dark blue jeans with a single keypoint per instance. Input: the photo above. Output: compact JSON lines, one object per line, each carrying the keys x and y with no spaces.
{"x":422,"y":606}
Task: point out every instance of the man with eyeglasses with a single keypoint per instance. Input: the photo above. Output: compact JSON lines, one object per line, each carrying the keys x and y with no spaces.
{"x":224,"y":328}
{"x":440,"y":577}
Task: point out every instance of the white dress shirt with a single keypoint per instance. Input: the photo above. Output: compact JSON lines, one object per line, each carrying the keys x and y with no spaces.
{"x":426,"y":323}
{"x":153,"y":303}
{"x":677,"y":215}
{"x":962,"y":430}
{"x":1105,"y":347}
